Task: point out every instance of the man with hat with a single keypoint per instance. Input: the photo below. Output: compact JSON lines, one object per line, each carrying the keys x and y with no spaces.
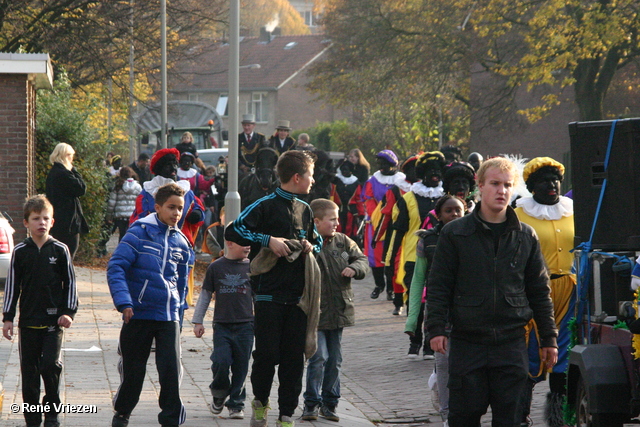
{"x":281,"y":141}
{"x":551,"y":216}
{"x":249,"y":143}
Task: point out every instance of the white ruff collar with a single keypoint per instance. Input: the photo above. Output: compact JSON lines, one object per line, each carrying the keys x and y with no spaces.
{"x":431,"y":192}
{"x":152,"y":186}
{"x":403,"y":184}
{"x":388,"y":179}
{"x":345,"y":180}
{"x":564,"y":207}
{"x":186,"y":174}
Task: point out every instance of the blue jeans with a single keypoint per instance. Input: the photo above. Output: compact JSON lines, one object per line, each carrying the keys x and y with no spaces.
{"x":323,"y":370}
{"x":232,"y":345}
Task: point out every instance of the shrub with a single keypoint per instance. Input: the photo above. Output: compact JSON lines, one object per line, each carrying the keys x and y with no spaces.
{"x":58,"y":119}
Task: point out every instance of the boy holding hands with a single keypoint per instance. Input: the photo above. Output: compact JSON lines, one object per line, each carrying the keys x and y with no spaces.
{"x":41,"y":276}
{"x":228,"y":278}
{"x":147,"y":277}
{"x":340,"y":260}
{"x":280,"y":324}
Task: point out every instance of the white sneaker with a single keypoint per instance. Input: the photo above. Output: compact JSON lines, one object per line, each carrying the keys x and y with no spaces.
{"x":236,"y":414}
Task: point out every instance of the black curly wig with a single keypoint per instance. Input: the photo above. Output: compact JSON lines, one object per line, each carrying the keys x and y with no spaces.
{"x":534,"y":176}
{"x":455,"y":170}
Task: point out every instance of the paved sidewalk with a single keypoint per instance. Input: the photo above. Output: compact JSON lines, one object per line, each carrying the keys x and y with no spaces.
{"x":90,"y":376}
{"x":379,"y":384}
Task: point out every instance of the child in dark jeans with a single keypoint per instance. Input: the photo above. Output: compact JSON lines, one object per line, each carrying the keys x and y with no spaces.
{"x":340,"y":260}
{"x":228,"y":279}
{"x":41,"y":276}
{"x":280,"y":325}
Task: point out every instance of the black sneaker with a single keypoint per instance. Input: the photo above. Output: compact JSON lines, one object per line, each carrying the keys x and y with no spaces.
{"x":120,"y":420}
{"x":376,"y":292}
{"x":390,"y":296}
{"x":51,"y":423}
{"x":414,"y":351}
{"x":329,"y":413}
{"x":217,"y":405}
{"x":310,"y":412}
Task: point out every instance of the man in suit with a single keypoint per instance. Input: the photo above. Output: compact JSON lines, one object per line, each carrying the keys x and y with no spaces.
{"x":281,"y":141}
{"x":249,"y":142}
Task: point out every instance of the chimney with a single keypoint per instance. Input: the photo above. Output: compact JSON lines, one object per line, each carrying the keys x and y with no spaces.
{"x":265,"y":36}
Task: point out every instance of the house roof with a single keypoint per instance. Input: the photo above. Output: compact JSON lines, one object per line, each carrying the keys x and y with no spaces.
{"x":280,"y":59}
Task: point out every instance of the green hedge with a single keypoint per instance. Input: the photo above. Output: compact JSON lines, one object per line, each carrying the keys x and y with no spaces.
{"x":58,"y":119}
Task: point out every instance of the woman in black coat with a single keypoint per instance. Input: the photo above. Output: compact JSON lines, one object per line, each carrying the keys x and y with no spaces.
{"x":64,"y":186}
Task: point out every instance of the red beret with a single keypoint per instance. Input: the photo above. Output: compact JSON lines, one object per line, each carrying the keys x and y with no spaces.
{"x":161,"y":153}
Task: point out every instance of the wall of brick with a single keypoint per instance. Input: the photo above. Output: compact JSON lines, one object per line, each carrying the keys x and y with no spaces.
{"x":17,"y":146}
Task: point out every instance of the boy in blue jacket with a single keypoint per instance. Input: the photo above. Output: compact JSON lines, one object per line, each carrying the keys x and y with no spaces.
{"x":147,"y":277}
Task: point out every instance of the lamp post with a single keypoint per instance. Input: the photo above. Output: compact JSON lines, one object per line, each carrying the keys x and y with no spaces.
{"x":232,"y":199}
{"x":163,"y":73}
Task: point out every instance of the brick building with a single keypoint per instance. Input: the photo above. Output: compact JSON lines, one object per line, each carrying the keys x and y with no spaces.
{"x":20,"y":75}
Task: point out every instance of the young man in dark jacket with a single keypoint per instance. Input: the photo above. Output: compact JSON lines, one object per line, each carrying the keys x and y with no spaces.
{"x":280,"y":325}
{"x":489,"y":278}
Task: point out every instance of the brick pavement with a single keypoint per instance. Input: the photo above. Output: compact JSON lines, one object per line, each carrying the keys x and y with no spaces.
{"x":379,"y":384}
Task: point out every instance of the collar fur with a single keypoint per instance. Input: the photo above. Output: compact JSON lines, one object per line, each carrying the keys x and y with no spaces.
{"x":158,"y":181}
{"x":388,"y":179}
{"x":431,"y":192}
{"x":563,"y":208}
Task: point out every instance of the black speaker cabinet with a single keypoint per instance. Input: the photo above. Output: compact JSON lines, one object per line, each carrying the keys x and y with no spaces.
{"x":618,"y":227}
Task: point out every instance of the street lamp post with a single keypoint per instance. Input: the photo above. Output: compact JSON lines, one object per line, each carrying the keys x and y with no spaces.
{"x":163,"y":72}
{"x":232,"y":199}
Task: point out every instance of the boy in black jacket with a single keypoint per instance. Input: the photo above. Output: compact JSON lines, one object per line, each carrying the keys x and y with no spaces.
{"x":41,"y":276}
{"x":280,"y":325}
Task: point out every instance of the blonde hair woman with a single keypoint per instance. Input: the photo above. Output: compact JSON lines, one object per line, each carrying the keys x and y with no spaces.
{"x":63,"y":153}
{"x":64,"y":187}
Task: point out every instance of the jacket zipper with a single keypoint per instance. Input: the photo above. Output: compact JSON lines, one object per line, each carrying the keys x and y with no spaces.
{"x":144,"y":288}
{"x":164,"y":264}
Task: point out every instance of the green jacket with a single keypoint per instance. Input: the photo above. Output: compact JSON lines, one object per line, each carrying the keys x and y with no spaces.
{"x":336,"y":301}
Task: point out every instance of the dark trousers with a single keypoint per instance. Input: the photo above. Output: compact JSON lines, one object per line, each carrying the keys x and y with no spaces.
{"x":280,"y":333}
{"x":378,"y":277}
{"x":71,"y":240}
{"x":122,"y":225}
{"x":232,"y":344}
{"x":134,"y":347}
{"x":481,"y":375}
{"x":40,"y":357}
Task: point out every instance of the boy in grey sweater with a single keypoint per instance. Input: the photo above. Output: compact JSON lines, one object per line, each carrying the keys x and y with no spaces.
{"x":228,"y":279}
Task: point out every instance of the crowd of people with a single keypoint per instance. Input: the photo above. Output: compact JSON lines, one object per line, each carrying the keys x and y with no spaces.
{"x":479,"y":264}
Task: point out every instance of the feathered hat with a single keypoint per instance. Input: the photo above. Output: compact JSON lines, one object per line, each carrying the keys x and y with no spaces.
{"x":160,"y":154}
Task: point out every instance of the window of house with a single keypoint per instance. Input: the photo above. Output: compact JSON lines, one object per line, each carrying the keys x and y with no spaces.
{"x":258,"y":106}
{"x":308,"y":18}
{"x":223,"y":105}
